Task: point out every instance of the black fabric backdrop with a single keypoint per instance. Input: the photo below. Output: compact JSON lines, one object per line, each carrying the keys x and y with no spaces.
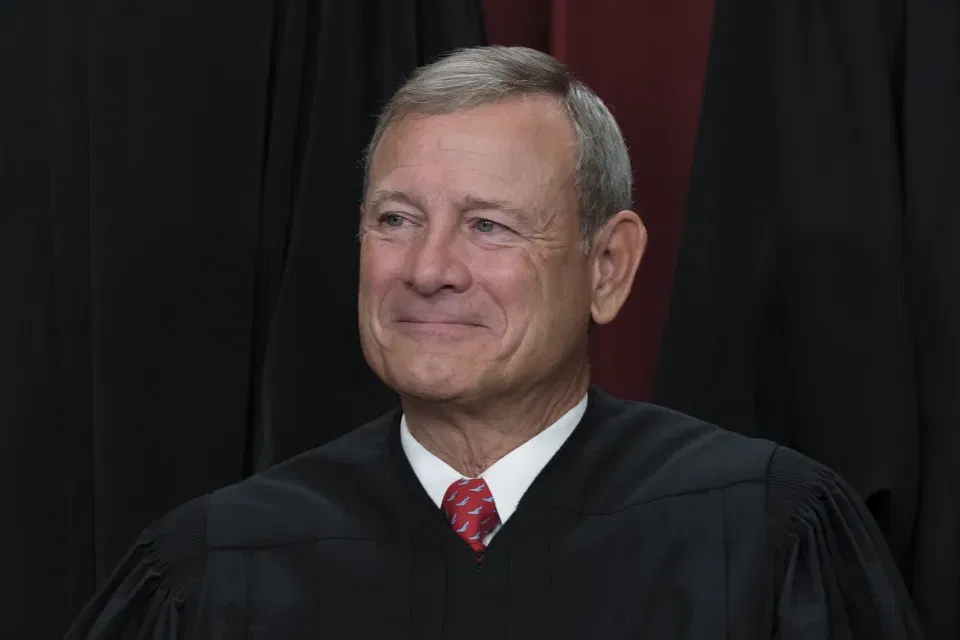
{"x":180,"y":187}
{"x":817,"y":297}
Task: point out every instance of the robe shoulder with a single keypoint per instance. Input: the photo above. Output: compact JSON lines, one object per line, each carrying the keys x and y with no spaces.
{"x":832,"y":573}
{"x":156,"y":587}
{"x":835,"y":576}
{"x":640,"y":453}
{"x":336,"y":490}
{"x":156,"y":583}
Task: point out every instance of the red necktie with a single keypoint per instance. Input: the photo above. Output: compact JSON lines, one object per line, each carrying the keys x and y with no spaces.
{"x":470,"y":510}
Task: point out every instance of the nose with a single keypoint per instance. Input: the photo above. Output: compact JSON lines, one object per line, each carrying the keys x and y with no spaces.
{"x":433,"y":264}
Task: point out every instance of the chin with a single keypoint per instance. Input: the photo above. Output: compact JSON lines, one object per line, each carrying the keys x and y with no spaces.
{"x":436,"y":379}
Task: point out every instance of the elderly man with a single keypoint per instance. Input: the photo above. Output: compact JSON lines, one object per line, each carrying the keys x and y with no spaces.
{"x":508,"y":498}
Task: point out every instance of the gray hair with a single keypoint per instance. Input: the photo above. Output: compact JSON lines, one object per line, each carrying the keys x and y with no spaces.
{"x":477,"y":76}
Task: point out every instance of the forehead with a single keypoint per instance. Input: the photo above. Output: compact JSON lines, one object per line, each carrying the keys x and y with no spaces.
{"x":523,"y":143}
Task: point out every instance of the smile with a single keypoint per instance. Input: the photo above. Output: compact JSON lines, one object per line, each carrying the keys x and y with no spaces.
{"x":436,"y":328}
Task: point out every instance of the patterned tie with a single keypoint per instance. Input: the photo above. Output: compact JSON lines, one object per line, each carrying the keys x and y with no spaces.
{"x":470,"y":510}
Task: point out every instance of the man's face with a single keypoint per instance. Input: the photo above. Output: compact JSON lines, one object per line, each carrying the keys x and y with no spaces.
{"x":472,"y":278}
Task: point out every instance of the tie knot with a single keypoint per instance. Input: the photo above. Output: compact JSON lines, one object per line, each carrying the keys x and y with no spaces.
{"x":471,"y":511}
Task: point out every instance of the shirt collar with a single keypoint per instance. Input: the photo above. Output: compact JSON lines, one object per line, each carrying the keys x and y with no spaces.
{"x":509,"y":477}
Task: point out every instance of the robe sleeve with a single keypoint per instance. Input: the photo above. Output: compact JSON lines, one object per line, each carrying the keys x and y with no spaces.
{"x":153,"y":591}
{"x":836,"y":578}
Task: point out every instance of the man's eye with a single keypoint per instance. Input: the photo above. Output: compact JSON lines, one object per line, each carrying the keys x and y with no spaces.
{"x":485,"y":226}
{"x":392,"y":219}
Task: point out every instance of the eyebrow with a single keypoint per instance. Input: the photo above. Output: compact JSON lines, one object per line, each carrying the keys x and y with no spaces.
{"x":383,"y":195}
{"x":469,"y":203}
{"x":473,"y":203}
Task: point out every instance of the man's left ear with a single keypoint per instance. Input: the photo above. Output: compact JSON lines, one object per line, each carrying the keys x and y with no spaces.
{"x":617,"y":250}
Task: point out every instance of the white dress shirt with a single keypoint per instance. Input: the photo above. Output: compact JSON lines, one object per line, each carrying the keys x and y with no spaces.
{"x":508,"y":478}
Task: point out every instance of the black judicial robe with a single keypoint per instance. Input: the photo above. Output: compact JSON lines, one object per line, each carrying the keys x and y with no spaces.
{"x":646,"y":524}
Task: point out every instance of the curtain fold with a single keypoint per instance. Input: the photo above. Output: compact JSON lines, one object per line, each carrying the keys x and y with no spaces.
{"x":817,"y":295}
{"x":930,"y":147}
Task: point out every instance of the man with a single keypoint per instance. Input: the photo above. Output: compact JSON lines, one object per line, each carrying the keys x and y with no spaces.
{"x":508,"y":498}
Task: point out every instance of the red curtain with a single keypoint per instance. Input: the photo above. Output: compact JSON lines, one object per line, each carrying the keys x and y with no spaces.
{"x":646,"y":59}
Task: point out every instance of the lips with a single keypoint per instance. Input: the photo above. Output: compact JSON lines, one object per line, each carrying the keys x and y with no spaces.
{"x":436,"y":328}
{"x":428,"y":320}
{"x":443,"y":329}
{"x":440,"y":322}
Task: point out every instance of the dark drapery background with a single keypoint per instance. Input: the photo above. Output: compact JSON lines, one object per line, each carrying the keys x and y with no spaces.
{"x":179,"y":184}
{"x":817,"y":297}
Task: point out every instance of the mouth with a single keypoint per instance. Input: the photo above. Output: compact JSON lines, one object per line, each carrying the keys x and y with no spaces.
{"x":436,"y":327}
{"x":439,"y":320}
{"x":436,"y":323}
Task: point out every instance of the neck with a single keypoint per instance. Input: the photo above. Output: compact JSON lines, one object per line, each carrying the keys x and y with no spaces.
{"x":470,"y":437}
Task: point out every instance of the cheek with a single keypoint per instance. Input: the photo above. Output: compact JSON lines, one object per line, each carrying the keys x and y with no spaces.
{"x":380,"y":265}
{"x":564,"y":299}
{"x":375,"y":279}
{"x":516,"y":284}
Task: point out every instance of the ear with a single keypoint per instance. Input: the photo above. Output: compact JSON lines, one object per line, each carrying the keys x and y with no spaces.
{"x":617,"y":250}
